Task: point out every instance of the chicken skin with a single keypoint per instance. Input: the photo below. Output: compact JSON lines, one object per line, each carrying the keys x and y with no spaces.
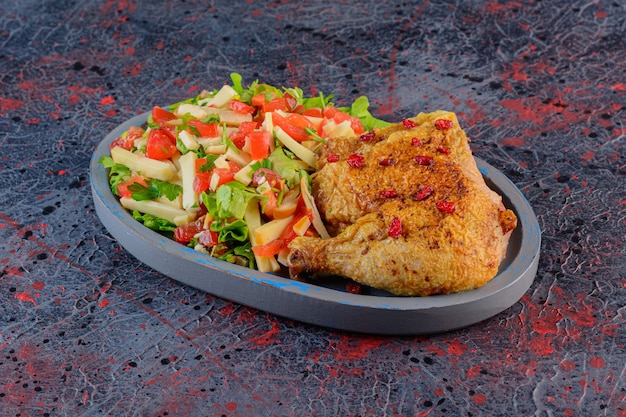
{"x":407,"y":210}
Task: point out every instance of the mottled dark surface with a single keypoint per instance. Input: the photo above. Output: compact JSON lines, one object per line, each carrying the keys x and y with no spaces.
{"x":85,"y":329}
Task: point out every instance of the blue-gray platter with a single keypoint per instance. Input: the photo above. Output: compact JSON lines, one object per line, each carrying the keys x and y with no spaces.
{"x":326,"y":302}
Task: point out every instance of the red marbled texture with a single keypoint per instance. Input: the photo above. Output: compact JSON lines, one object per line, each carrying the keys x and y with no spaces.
{"x":87,"y":330}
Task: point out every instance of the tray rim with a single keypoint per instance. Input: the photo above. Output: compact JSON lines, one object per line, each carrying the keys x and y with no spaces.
{"x":311,"y":303}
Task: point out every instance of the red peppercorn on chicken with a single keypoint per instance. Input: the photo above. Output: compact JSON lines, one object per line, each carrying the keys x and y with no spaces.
{"x":408,"y":211}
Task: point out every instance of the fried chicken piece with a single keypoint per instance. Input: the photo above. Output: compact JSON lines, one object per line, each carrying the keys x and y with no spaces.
{"x":408,"y":212}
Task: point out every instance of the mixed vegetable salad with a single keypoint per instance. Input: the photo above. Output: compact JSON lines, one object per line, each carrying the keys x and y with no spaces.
{"x":228,"y":172}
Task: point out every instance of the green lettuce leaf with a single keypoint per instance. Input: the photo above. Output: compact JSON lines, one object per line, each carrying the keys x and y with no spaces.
{"x":231,"y":200}
{"x":360,"y":110}
{"x":285,"y":167}
{"x":318,"y":101}
{"x":117,"y":172}
{"x":237,"y":254}
{"x":153,"y":222}
{"x":228,"y":232}
{"x":155,"y":189}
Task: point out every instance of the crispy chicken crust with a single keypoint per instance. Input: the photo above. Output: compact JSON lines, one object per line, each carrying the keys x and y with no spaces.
{"x":413,"y":216}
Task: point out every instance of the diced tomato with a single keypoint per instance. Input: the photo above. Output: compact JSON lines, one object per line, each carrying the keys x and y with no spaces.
{"x":301,"y":211}
{"x":122,"y":143}
{"x":269,"y":205}
{"x":208,"y":238}
{"x":184,"y":233}
{"x":240,"y":107}
{"x":258,"y":100}
{"x":234,"y":166}
{"x":313,"y":112}
{"x":259,"y":144}
{"x":206,"y":130}
{"x":170,"y":131}
{"x":247,"y":127}
{"x":276,"y":104}
{"x":357,"y":126}
{"x":291,"y":102}
{"x":122,"y":187}
{"x":225,"y":175}
{"x":160,"y":115}
{"x":268,"y":102}
{"x":340,"y":116}
{"x":331,"y":112}
{"x":289,"y":234}
{"x":295,"y":131}
{"x":135,"y":132}
{"x":160,"y":145}
{"x":302,"y":208}
{"x":202,"y":181}
{"x":199,"y":163}
{"x":128,"y":141}
{"x":269,"y":249}
{"x":301,"y":121}
{"x":272,"y":178}
{"x":239,"y":136}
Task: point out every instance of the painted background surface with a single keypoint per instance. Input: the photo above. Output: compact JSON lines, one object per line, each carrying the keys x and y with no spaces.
{"x":85,"y":329}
